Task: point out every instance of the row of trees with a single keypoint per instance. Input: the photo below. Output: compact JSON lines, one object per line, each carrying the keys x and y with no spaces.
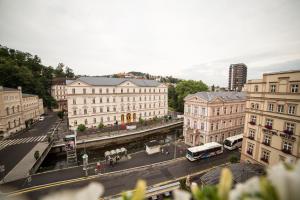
{"x":18,"y":68}
{"x":177,"y":94}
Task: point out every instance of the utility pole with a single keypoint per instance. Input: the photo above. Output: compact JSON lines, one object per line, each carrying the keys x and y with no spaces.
{"x":175,"y":145}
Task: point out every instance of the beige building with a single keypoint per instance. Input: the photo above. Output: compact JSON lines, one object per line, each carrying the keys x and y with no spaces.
{"x":272,"y":127}
{"x":213,"y":116}
{"x":17,"y":110}
{"x":95,"y":100}
{"x":59,"y":92}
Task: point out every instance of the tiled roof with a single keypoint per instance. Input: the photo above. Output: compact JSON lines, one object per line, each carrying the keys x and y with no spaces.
{"x":104,"y":81}
{"x":226,"y":96}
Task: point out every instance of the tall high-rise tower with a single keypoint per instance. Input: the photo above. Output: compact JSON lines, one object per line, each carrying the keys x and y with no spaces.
{"x":237,"y":77}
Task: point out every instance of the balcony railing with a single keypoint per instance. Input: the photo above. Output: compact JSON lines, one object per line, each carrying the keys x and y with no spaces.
{"x":250,"y":152}
{"x":287,"y":151}
{"x":266,"y":160}
{"x":288,"y":132}
{"x":251,"y":137}
{"x":268,"y":126}
{"x":288,"y":136}
{"x":252,"y":123}
{"x":266,"y":143}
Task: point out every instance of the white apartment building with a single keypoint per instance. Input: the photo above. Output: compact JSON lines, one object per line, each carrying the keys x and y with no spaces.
{"x":213,"y":116}
{"x":95,"y":100}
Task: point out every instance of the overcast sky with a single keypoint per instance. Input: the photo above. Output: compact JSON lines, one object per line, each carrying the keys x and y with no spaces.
{"x":186,"y":39}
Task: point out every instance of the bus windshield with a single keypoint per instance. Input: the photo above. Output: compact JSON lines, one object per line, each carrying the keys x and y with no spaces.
{"x":227,"y":143}
{"x":189,"y":153}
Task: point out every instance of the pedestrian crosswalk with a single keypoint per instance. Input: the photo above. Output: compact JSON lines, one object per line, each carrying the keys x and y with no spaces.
{"x":6,"y":143}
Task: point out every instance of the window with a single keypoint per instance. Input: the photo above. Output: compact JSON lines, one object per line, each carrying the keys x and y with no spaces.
{"x":94,"y":100}
{"x":202,"y":126}
{"x":93,"y":91}
{"x":114,"y":99}
{"x":287,"y":147}
{"x":73,"y":90}
{"x":250,"y":148}
{"x":85,"y":111}
{"x":211,"y":126}
{"x":290,"y":127}
{"x":100,"y":100}
{"x":75,"y":122}
{"x":294,"y":88}
{"x":100,"y":90}
{"x":265,"y":155}
{"x":203,"y":111}
{"x":280,"y":108}
{"x":107,"y":99}
{"x":267,"y":140}
{"x":252,"y":105}
{"x":272,"y":88}
{"x":107,"y":90}
{"x":253,"y":119}
{"x":84,"y":91}
{"x":74,"y":112}
{"x":291,"y":109}
{"x":94,"y":110}
{"x":218,"y":111}
{"x":256,"y":106}
{"x":121,"y":90}
{"x":84,"y":101}
{"x":122,"y":108}
{"x":95,"y":120}
{"x":74,"y":101}
{"x":269,"y":122}
{"x":196,"y":111}
{"x":85,"y":121}
{"x":115,"y":109}
{"x":127,"y":90}
{"x":270,"y":107}
{"x":114,"y":90}
{"x":251,"y":134}
{"x":256,"y":88}
{"x":107,"y":108}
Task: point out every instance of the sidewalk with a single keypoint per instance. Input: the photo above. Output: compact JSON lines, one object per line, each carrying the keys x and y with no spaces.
{"x":136,"y":160}
{"x":23,"y":167}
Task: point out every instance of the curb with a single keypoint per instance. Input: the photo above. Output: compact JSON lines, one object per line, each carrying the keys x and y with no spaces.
{"x":25,"y":190}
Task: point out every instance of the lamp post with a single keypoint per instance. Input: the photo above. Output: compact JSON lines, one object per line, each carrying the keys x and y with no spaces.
{"x":85,"y":158}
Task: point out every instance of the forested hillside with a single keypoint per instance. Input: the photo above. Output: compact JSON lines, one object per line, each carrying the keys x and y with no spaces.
{"x":19,"y":68}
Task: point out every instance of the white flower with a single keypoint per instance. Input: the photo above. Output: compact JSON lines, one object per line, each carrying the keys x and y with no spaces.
{"x":181,"y":195}
{"x":250,"y":187}
{"x":91,"y":192}
{"x":286,"y":182}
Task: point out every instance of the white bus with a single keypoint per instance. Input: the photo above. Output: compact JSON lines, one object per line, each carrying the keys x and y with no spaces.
{"x":204,"y":151}
{"x":233,"y":142}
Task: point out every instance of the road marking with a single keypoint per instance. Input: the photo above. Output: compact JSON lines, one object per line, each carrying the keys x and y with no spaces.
{"x":10,"y":142}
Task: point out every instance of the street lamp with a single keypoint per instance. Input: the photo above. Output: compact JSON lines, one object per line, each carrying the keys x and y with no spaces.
{"x":85,"y":159}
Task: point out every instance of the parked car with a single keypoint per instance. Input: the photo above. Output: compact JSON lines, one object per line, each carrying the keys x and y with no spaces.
{"x":41,"y":118}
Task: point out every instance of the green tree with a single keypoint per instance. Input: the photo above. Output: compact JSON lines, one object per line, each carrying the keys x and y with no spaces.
{"x":186,"y":87}
{"x":172,"y":97}
{"x":69,"y":73}
{"x":81,"y":127}
{"x":233,"y":159}
{"x":101,"y":125}
{"x":60,"y":114}
{"x":36,"y":155}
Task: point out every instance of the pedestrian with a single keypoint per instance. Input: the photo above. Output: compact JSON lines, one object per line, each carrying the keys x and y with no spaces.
{"x":162,"y":150}
{"x":167,"y":152}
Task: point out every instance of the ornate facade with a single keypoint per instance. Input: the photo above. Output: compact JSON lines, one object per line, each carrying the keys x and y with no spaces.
{"x":272,"y":127}
{"x":213,"y":116}
{"x":95,"y":100}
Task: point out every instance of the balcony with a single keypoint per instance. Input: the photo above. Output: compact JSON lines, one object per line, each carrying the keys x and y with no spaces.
{"x":287,"y":151}
{"x":267,"y":126}
{"x":251,"y":137}
{"x":288,"y":132}
{"x":266,"y":160}
{"x":266,"y":143}
{"x":252,"y":123}
{"x":288,"y":136}
{"x":250,"y":152}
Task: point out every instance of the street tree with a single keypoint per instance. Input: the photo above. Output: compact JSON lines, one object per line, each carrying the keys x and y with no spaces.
{"x":81,"y":127}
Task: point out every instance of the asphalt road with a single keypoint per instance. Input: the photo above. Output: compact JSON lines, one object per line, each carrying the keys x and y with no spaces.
{"x":118,"y":182}
{"x":11,"y":155}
